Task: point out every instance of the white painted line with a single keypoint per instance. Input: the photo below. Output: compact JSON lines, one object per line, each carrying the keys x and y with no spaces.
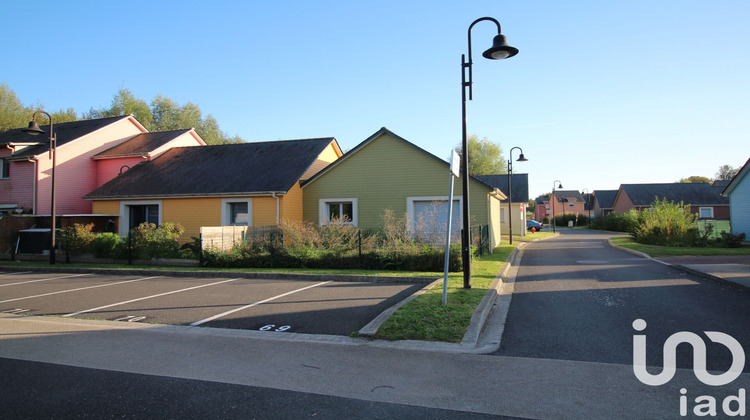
{"x":195,"y":324}
{"x":38,"y":280}
{"x":149,"y":297}
{"x":15,"y":273}
{"x":75,"y":290}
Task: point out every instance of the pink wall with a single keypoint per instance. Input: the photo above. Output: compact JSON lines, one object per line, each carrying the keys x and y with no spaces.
{"x":107,"y":169}
{"x":19,"y":188}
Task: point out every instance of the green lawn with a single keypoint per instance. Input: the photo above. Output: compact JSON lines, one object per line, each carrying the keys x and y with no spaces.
{"x":667,"y":251}
{"x":426,"y":318}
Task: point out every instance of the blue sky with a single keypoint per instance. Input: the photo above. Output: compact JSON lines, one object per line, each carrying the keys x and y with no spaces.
{"x":602,"y":92}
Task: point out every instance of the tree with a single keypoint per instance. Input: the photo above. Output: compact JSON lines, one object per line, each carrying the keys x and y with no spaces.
{"x":726,"y":173}
{"x":164,"y":114}
{"x":695,"y":179}
{"x":13,"y":113}
{"x":485,"y":157}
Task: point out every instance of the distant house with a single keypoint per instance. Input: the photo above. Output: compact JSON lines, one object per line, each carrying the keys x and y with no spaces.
{"x":705,"y":200}
{"x":570,"y":201}
{"x":25,"y":181}
{"x":256,"y":184}
{"x":386,"y":171}
{"x":604,"y":201}
{"x":738,"y":193}
{"x":520,"y":197}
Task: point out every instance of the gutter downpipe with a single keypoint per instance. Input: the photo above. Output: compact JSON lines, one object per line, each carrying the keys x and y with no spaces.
{"x":273,"y":194}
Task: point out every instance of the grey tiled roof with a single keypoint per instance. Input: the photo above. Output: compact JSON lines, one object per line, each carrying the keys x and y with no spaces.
{"x":520,"y":184}
{"x":694,"y":194}
{"x":228,"y":169}
{"x":569,"y":195}
{"x":141,"y":144}
{"x":64,"y":132}
{"x":606,"y":198}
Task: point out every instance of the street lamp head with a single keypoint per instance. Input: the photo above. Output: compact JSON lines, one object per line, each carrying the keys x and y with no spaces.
{"x":33,"y":128}
{"x":500,"y":49}
{"x":559,"y":186}
{"x":521,"y":158}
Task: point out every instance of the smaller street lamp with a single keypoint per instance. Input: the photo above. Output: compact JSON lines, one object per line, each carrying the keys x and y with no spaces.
{"x":34,"y":129}
{"x":510,"y":190}
{"x":552,"y":197}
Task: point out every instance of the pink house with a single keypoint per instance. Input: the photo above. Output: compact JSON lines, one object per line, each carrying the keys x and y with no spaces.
{"x":88,"y":154}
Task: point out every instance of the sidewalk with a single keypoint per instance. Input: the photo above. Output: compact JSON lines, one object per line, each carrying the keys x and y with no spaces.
{"x":733,"y":270}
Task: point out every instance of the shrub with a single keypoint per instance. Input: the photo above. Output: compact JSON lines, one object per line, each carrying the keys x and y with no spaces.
{"x":106,"y":245}
{"x":666,"y":223}
{"x":730,"y":240}
{"x":75,"y":240}
{"x":149,"y":241}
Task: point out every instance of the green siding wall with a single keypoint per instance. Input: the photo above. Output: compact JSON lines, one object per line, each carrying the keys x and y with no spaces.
{"x":381,"y":175}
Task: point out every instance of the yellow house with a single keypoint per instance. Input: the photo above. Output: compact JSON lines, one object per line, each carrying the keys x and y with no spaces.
{"x":254,"y":184}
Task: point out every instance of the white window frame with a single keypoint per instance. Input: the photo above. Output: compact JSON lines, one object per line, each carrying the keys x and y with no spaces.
{"x":4,"y":167}
{"x":226,"y":213}
{"x":323,"y":214}
{"x":125,"y":213}
{"x":700,"y":212}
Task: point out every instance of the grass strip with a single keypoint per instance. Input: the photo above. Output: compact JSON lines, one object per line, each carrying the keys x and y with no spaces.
{"x":675,"y":251}
{"x":426,"y":318}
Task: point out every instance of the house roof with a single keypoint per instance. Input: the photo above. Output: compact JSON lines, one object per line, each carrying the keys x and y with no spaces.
{"x":606,"y":198}
{"x":381,"y":132}
{"x":643,"y":195}
{"x":519,"y":182}
{"x":742,"y":173}
{"x":569,"y":195}
{"x":29,"y":145}
{"x":227,"y":169}
{"x":141,"y":145}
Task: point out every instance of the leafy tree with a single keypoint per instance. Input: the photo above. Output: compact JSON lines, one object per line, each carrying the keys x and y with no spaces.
{"x":726,"y":173}
{"x":695,"y":179}
{"x":13,"y":113}
{"x":485,"y":157}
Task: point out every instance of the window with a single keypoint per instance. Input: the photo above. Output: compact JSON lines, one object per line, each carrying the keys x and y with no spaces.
{"x":133,"y":213}
{"x":428,"y":218}
{"x":236,"y":212}
{"x":338,"y":209}
{"x":4,"y":169}
{"x":705,"y":212}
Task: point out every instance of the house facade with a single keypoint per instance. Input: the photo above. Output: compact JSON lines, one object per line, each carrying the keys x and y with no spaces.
{"x":603,"y":202}
{"x":519,"y":197}
{"x":387,"y":172}
{"x":254,"y":184}
{"x":26,"y":181}
{"x":705,"y":200}
{"x":738,"y":193}
{"x":563,"y":201}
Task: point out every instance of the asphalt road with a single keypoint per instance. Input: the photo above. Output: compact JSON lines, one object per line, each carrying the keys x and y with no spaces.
{"x":315,"y":307}
{"x":576,"y":298}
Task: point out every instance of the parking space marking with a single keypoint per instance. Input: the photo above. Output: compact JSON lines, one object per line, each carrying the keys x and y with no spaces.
{"x":78,"y":289}
{"x":38,"y":280}
{"x":195,"y":324}
{"x":149,"y":297}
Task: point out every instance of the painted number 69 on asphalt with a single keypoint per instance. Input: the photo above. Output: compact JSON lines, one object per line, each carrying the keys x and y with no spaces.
{"x":272,"y":327}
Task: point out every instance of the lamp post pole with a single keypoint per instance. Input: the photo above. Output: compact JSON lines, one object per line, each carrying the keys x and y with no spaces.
{"x":510,"y":191}
{"x":553,"y":199}
{"x":34,"y":129}
{"x":499,"y":50}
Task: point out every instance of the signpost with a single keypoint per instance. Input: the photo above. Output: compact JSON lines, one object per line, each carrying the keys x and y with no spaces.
{"x":455,"y":171}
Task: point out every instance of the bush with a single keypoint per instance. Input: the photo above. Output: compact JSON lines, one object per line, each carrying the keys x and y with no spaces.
{"x":75,"y":240}
{"x":730,"y":240}
{"x":668,"y":224}
{"x":149,"y":241}
{"x":106,"y":245}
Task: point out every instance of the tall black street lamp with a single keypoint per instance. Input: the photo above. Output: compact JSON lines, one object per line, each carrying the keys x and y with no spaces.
{"x":499,"y":50}
{"x":552,"y":200}
{"x":510,"y":190}
{"x":34,"y":129}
